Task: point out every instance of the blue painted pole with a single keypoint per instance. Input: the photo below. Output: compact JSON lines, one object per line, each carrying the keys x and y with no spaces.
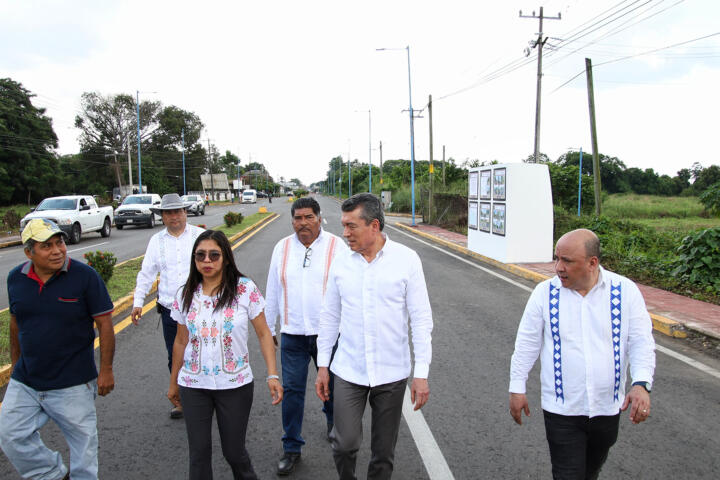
{"x":370,"y":151}
{"x":580,"y":184}
{"x":183,"y":147}
{"x":137,"y":92}
{"x":412,"y":141}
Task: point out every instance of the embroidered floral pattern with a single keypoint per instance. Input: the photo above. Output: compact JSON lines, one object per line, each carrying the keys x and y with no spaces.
{"x":187,"y":380}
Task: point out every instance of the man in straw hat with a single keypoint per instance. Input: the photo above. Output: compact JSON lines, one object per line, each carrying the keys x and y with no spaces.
{"x":168,"y":254}
{"x":53,"y":303}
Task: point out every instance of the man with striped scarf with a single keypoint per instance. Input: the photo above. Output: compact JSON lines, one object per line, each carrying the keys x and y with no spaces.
{"x":296,"y":286}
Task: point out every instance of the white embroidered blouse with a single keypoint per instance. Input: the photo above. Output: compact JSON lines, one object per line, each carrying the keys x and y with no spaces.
{"x":216,"y":356}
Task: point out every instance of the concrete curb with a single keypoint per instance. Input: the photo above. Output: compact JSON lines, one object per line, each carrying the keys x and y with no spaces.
{"x":11,"y":243}
{"x":664,"y":325}
{"x":126,"y":302}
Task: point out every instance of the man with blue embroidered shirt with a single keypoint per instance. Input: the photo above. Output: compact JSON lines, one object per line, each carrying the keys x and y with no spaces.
{"x":296,"y":285}
{"x":53,"y":303}
{"x":586,"y":324}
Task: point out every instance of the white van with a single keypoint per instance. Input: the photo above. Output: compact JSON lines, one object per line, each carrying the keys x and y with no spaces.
{"x":249,"y":196}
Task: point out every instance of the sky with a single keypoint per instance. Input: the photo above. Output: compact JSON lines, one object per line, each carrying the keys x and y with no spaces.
{"x":289,"y":84}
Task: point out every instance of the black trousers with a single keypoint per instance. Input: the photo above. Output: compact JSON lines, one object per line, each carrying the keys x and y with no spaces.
{"x":232,"y":408}
{"x":169,"y":331}
{"x":579,"y":445}
{"x":349,"y":406}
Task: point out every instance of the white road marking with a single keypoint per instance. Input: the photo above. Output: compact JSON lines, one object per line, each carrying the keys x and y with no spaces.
{"x":435,"y":464}
{"x":694,"y":363}
{"x":486,"y":270}
{"x":324,"y":221}
{"x":679,"y":356}
{"x":89,"y":246}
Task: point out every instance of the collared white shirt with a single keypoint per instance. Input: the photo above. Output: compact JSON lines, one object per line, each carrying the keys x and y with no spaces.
{"x":216,"y":355}
{"x":170,"y":257}
{"x":586,"y":343}
{"x":296,"y":286}
{"x":368,"y":304}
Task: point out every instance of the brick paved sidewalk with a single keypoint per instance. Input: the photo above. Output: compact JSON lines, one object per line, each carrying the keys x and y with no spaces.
{"x":701,"y":317}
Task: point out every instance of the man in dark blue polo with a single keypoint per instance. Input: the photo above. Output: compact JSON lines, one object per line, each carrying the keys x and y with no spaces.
{"x":53,"y":303}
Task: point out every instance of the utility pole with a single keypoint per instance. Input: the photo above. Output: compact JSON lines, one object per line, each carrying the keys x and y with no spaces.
{"x":137,"y":101}
{"x":349,"y":173}
{"x":210,"y":164}
{"x":370,"y":152}
{"x":183,"y":149}
{"x":381,"y":171}
{"x":129,"y":165}
{"x":539,"y":43}
{"x":593,"y":134}
{"x":443,"y":166}
{"x":431,"y":168}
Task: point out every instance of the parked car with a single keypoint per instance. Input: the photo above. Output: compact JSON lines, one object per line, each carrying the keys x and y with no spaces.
{"x":135,"y":210}
{"x":262,"y":195}
{"x":74,"y":214}
{"x":249,"y":196}
{"x":194,"y":203}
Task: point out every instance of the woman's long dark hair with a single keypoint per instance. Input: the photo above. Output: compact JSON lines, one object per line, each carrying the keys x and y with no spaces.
{"x":230,"y":272}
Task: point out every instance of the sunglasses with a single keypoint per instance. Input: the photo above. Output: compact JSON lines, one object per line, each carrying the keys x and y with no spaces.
{"x":308,"y":255}
{"x":214,"y":255}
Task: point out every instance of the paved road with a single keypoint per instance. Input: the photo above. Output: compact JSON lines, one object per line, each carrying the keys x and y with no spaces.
{"x":476,"y":315}
{"x":130,"y":242}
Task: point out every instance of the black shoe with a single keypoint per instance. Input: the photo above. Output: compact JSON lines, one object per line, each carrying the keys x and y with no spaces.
{"x":176,"y":413}
{"x":329,"y":432}
{"x":287,"y":463}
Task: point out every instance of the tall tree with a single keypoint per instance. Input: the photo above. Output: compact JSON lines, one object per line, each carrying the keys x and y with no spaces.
{"x":107,"y":123}
{"x":28,"y":166}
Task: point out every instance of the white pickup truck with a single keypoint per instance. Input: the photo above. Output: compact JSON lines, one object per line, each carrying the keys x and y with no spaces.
{"x":74,"y":214}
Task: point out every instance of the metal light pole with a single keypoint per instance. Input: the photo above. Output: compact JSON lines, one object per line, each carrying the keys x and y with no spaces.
{"x":137,"y":110}
{"x":412,"y":132}
{"x":183,"y":149}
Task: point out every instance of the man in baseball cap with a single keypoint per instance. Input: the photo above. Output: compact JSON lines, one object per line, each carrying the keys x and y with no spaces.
{"x":54,"y":302}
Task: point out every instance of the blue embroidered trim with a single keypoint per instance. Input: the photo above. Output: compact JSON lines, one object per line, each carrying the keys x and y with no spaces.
{"x":615,"y":318}
{"x":554,"y":308}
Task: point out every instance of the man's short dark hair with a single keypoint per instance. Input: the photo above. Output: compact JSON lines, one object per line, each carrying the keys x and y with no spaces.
{"x":30,"y":245}
{"x":305,"y":202}
{"x":371,"y":206}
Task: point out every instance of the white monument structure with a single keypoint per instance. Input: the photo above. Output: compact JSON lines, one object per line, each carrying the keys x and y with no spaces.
{"x":510,"y":212}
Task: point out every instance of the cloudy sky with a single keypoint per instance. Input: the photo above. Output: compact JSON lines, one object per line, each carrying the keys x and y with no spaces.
{"x":290,"y":83}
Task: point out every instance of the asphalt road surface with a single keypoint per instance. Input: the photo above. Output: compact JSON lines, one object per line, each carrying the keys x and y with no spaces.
{"x":469,"y":434}
{"x":130,"y":242}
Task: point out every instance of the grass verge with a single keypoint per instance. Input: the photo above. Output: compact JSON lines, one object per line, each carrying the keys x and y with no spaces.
{"x":247,"y":222}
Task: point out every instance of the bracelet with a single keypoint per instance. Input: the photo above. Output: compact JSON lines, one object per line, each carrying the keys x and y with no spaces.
{"x":270,"y":377}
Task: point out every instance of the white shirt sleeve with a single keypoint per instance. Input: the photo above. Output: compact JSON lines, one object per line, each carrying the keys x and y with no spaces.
{"x":329,"y":320}
{"x":640,"y":342}
{"x":273,"y":290}
{"x":421,"y":322}
{"x":528,"y":341}
{"x":147,"y":274}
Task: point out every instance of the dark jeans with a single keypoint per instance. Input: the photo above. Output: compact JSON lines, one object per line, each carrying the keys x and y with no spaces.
{"x":386,"y":405}
{"x":579,"y":445}
{"x":232,"y":408}
{"x":169,"y":331}
{"x":296,"y":351}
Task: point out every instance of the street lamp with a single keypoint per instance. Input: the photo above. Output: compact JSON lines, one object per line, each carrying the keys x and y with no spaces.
{"x":137,"y":93}
{"x":412,"y":130}
{"x":369,"y":148}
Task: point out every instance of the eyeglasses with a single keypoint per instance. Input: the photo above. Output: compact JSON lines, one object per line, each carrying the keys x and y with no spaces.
{"x":214,"y":255}
{"x":308,"y":254}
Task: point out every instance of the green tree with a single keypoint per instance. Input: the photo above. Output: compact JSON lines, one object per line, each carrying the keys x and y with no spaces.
{"x":29,"y":168}
{"x":564,"y":182}
{"x":706,"y":177}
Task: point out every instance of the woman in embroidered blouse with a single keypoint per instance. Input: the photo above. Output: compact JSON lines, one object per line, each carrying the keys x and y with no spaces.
{"x":210,"y":369}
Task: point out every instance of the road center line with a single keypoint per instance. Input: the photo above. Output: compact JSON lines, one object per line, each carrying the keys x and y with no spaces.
{"x":435,"y":464}
{"x":678,"y":356}
{"x":89,"y":246}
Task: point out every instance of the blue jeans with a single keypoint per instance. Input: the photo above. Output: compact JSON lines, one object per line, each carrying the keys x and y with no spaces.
{"x":25,"y":411}
{"x":295,"y":354}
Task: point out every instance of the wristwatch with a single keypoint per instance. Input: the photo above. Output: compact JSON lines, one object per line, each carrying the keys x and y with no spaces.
{"x":645,"y":385}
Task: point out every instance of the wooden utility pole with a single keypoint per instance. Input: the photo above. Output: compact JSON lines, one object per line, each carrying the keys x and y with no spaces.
{"x":443,"y":166}
{"x":431,"y":169}
{"x":539,"y":43}
{"x":593,"y":134}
